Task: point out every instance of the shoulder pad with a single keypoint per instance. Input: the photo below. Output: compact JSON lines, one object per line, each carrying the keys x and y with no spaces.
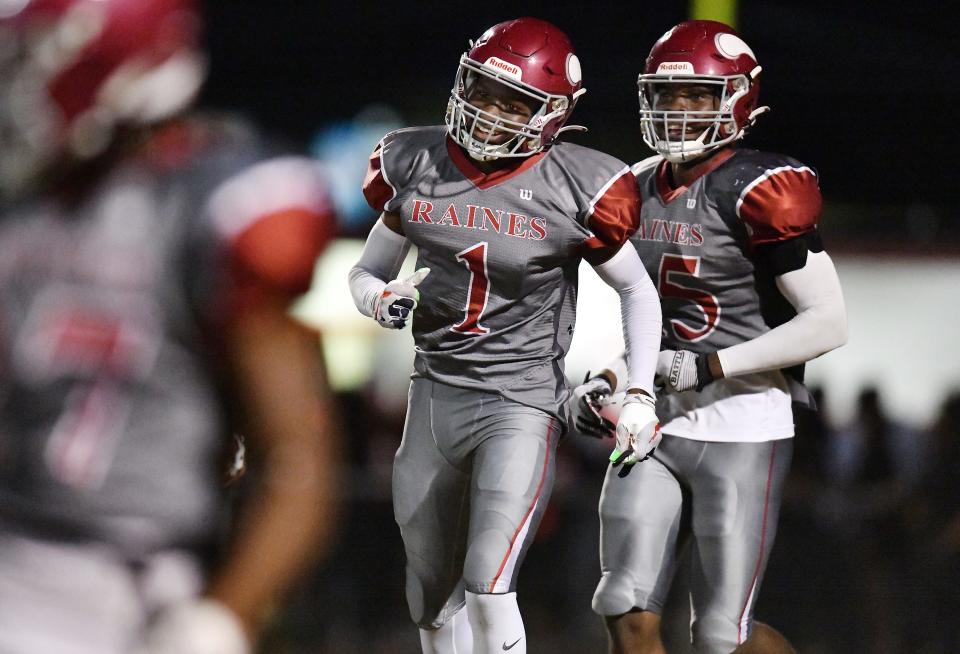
{"x":646,"y":164}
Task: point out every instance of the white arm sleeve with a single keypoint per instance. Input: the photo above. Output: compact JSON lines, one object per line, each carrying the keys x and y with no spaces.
{"x":382,"y":256}
{"x":640,"y":313}
{"x":819,"y":326}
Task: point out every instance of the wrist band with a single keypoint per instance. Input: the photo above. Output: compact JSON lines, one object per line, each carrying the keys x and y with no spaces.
{"x":704,"y":375}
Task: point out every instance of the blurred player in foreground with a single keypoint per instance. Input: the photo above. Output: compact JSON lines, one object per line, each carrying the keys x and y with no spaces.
{"x":748,"y":296}
{"x":147,"y":260}
{"x":501,"y":215}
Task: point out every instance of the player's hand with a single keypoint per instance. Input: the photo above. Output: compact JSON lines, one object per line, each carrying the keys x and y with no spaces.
{"x":398,"y":300}
{"x":585,"y":404}
{"x":683,"y":370}
{"x":202,"y":626}
{"x":638,"y":430}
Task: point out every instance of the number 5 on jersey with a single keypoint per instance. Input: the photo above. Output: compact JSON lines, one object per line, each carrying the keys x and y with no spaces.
{"x":674,"y":269}
{"x":475,"y":259}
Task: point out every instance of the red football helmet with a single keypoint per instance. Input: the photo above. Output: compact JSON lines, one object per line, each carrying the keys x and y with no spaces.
{"x":71,"y":71}
{"x":532,"y":57}
{"x":701,"y":52}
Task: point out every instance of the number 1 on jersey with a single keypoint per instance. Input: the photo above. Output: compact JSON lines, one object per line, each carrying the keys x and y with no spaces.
{"x":475,"y":259}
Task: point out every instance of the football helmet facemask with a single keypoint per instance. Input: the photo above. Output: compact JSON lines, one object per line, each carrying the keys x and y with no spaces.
{"x":699,"y":53}
{"x":532,"y":58}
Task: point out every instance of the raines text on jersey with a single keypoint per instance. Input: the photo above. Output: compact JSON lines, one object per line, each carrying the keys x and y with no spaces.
{"x":472,"y":216}
{"x":670,"y":231}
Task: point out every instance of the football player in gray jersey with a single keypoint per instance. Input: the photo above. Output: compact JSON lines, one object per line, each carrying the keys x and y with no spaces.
{"x":748,"y":295}
{"x":501,"y":215}
{"x":147,"y":259}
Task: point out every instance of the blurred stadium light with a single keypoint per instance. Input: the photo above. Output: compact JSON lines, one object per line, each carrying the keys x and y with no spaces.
{"x":903,"y":318}
{"x":358,"y":352}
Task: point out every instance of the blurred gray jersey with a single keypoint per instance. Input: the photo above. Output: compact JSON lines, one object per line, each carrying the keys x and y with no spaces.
{"x":497,"y":311}
{"x":714,"y":250}
{"x":111,"y":425}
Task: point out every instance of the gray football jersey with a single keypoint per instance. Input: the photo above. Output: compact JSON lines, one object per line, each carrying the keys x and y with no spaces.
{"x":701,"y":244}
{"x":715,"y":248}
{"x":497,"y":311}
{"x":111,"y":426}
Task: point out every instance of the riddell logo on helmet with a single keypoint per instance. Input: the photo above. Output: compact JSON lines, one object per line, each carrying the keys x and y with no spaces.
{"x":684,"y":67}
{"x":503,"y":66}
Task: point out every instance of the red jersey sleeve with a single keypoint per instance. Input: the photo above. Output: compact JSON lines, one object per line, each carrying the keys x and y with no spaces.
{"x":613,"y":216}
{"x":377,"y":189}
{"x":782,"y":203}
{"x":274,"y":220}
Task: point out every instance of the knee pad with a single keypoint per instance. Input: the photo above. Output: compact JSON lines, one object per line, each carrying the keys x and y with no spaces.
{"x":490,"y":563}
{"x":714,"y":635}
{"x":430,"y":604}
{"x":617,"y":593}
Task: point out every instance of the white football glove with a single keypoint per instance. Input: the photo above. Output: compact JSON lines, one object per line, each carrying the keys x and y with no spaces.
{"x":202,"y":626}
{"x":398,"y":300}
{"x":585,"y":404}
{"x":683,"y":370}
{"x":638,"y":430}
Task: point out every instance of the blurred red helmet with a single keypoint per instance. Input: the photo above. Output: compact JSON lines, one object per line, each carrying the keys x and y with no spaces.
{"x":532,"y":57}
{"x":71,"y":71}
{"x":702,"y":52}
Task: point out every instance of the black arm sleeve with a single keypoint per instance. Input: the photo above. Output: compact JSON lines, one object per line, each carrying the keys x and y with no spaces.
{"x":786,"y":256}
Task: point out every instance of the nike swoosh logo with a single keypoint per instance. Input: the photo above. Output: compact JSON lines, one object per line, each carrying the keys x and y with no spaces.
{"x":510,"y":646}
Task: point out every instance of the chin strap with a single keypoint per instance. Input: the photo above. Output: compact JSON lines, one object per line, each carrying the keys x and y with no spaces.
{"x":570,"y":128}
{"x":759,"y":111}
{"x":751,"y":119}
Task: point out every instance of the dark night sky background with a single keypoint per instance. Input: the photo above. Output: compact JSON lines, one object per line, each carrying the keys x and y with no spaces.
{"x":864,"y":92}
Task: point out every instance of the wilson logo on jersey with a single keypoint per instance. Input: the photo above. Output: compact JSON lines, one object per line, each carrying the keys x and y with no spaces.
{"x":480,"y":218}
{"x":669,"y":231}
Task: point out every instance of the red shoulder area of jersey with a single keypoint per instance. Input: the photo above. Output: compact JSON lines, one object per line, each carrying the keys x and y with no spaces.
{"x":275,"y":256}
{"x":484,"y":180}
{"x":782,"y":203}
{"x":377,"y":189}
{"x":613,"y":217}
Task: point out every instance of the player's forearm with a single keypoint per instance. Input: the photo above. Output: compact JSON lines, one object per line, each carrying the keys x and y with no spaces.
{"x":366,"y":289}
{"x":640,"y":314}
{"x":382,"y":256}
{"x":805,"y":337}
{"x":289,"y":423}
{"x":278,"y":536}
{"x":819,"y":326}
{"x":615,"y":372}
